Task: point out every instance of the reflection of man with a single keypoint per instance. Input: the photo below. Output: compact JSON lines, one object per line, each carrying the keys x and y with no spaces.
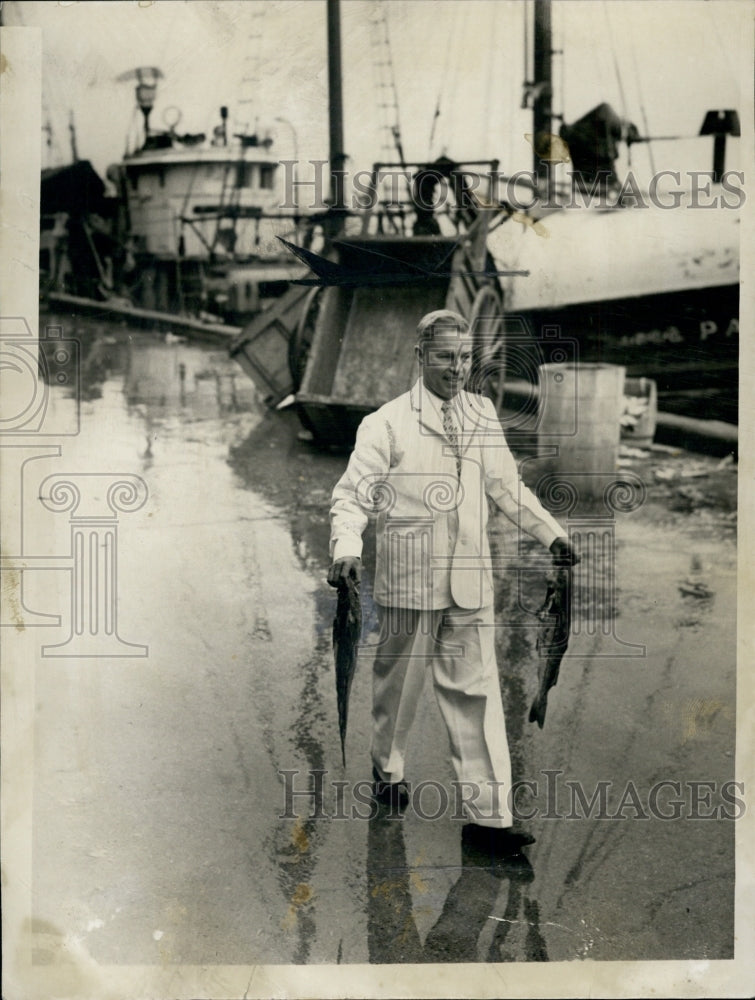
{"x":392,"y":935}
{"x":426,"y":462}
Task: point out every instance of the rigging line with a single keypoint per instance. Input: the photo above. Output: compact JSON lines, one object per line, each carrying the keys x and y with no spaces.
{"x":462,"y":48}
{"x":385,"y":81}
{"x":622,"y":95}
{"x":442,"y":88}
{"x":250,"y":87}
{"x":727,"y":63}
{"x":645,"y":126}
{"x":194,"y":173}
{"x":176,"y":12}
{"x":397,"y":133}
{"x":450,"y":80}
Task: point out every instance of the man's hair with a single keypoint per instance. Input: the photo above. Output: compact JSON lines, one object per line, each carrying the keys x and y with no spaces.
{"x":438,"y":322}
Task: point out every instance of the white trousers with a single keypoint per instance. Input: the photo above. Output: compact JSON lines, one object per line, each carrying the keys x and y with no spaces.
{"x":458,"y":646}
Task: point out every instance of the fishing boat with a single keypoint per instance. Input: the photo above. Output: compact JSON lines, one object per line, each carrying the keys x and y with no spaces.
{"x":77,"y":248}
{"x":200,"y":216}
{"x":608,"y":278}
{"x":646,"y":279}
{"x":652,"y":290}
{"x":340,"y":344}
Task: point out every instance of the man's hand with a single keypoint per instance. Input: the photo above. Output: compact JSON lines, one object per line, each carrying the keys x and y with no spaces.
{"x":343,"y":568}
{"x":563,"y":553}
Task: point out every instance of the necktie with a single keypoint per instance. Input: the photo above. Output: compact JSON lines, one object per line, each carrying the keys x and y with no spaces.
{"x":451,"y":431}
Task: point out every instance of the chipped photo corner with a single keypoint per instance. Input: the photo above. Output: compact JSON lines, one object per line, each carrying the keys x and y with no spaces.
{"x":374,"y":532}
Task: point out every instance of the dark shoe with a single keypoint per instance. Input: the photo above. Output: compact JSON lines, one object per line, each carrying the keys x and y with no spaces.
{"x":494,"y":841}
{"x":390,"y":793}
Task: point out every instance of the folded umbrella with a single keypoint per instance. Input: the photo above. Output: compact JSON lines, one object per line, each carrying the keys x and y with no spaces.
{"x":553,"y":637}
{"x":347,"y":630}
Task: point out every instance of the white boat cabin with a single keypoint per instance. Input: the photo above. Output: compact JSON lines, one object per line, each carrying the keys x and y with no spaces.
{"x":192,"y":200}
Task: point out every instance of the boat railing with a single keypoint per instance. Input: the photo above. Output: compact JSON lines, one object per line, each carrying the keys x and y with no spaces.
{"x":415,"y":198}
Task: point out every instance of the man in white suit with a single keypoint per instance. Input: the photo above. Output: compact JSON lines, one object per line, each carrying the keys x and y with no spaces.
{"x":425,"y":464}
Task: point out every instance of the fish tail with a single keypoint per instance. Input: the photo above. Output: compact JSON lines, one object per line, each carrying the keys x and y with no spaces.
{"x":537,"y":711}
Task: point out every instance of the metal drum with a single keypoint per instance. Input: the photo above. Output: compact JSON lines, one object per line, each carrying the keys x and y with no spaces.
{"x":579,"y":423}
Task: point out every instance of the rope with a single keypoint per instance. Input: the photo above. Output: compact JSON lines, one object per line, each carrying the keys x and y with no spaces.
{"x":622,"y":95}
{"x":442,"y":89}
{"x":620,"y":82}
{"x":645,"y":126}
{"x":385,"y":82}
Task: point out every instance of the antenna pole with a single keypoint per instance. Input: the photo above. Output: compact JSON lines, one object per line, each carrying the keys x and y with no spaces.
{"x":72,"y":130}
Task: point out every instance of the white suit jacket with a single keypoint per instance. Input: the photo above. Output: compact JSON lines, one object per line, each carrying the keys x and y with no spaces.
{"x":432,"y":542}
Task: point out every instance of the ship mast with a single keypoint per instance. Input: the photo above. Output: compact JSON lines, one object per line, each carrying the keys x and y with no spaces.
{"x":542,"y":111}
{"x":335,"y":99}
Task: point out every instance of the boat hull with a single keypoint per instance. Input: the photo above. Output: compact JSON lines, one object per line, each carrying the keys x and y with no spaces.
{"x":687,"y":341}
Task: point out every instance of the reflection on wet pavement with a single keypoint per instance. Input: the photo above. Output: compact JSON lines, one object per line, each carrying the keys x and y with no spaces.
{"x":462,"y":931}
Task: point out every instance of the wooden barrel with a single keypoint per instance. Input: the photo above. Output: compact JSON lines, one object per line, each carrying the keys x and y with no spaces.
{"x":579,"y":412}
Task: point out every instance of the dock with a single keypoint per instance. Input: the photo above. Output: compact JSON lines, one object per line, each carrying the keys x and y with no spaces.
{"x":188,"y":325}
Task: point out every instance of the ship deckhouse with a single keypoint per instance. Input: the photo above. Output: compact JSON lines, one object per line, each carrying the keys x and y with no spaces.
{"x":190,"y":198}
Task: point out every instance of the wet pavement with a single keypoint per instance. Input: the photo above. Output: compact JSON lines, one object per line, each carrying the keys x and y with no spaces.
{"x":162,"y":828}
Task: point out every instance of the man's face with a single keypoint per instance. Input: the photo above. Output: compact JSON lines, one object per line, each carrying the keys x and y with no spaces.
{"x":445,"y":361}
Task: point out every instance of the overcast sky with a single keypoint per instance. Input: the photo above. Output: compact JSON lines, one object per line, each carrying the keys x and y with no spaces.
{"x":663,"y":63}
